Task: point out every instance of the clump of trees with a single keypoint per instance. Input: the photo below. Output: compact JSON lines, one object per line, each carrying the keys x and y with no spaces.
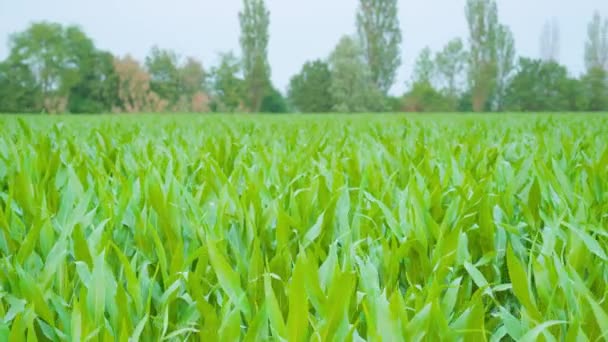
{"x":54,"y":69}
{"x":57,"y":69}
{"x":485,"y":74}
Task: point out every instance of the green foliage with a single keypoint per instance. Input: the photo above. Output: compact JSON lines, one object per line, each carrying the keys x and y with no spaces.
{"x":309,"y":91}
{"x":192,"y":78}
{"x":424,"y":98}
{"x":96,"y":90}
{"x":465,"y":103}
{"x":274,"y":102}
{"x":58,"y":69}
{"x":393,"y":104}
{"x":19,"y":92}
{"x":43,"y":48}
{"x":304,"y":228}
{"x":594,"y":85}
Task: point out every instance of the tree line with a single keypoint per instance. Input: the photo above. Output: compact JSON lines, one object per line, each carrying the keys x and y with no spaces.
{"x":58,"y":69}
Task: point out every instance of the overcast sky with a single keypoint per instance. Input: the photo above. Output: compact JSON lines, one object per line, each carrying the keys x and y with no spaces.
{"x":300,"y":30}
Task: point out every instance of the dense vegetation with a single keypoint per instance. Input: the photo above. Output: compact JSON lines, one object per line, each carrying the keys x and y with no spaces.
{"x":298,"y":228}
{"x":52,"y":68}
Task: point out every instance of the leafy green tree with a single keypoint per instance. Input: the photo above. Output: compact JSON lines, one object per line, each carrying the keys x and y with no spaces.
{"x":352,"y":87}
{"x":255,"y":20}
{"x":88,"y":78}
{"x":70,"y":72}
{"x":541,"y":86}
{"x":192,"y":77}
{"x":194,"y":94}
{"x":19,"y":91}
{"x":380,"y":37}
{"x":180,"y":83}
{"x":596,"y":46}
{"x":491,"y":54}
{"x":96,"y":88}
{"x":42,"y":48}
{"x":309,"y":91}
{"x":450,"y":65}
{"x":423,"y":96}
{"x":228,"y":88}
{"x":163,"y":67}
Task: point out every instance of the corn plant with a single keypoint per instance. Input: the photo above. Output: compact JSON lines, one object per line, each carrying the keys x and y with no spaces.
{"x":304,"y":228}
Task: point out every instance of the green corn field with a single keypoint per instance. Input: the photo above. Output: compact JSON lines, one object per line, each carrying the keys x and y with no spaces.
{"x":304,"y":228}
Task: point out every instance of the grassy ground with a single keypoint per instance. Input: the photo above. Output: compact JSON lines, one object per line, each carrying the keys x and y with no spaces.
{"x":460,"y":227}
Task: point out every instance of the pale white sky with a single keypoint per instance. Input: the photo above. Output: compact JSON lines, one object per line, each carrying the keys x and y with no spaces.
{"x":300,"y":30}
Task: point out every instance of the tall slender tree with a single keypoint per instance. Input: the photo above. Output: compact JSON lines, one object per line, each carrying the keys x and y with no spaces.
{"x":550,"y":41}
{"x":380,"y":38}
{"x":482,"y":18}
{"x":424,"y":68}
{"x":255,"y":21}
{"x":491,"y":55}
{"x":595,"y":81}
{"x":596,"y":47}
{"x":505,"y":64}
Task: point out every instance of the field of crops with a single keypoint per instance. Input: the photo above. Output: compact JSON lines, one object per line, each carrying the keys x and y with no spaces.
{"x":298,"y":228}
